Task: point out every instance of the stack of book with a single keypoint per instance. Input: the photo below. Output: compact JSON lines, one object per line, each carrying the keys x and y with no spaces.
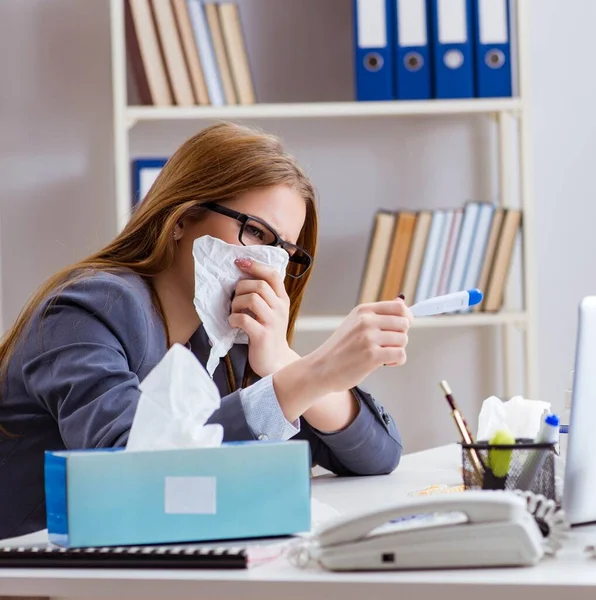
{"x":186,"y":52}
{"x":429,"y":253}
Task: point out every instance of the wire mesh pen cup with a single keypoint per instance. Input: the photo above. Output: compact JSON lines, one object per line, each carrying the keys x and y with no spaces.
{"x":523,"y":466}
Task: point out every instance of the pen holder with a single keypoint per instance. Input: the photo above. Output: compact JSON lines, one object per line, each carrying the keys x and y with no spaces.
{"x":523,"y":466}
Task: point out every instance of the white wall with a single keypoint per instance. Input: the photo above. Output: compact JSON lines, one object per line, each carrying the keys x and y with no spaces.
{"x":564,"y":123}
{"x":56,"y":173}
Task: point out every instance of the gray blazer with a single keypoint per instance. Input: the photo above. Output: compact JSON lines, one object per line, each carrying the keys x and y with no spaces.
{"x":73,"y":383}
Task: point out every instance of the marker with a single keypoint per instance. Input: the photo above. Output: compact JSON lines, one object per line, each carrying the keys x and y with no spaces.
{"x":547,"y":434}
{"x":447,"y":303}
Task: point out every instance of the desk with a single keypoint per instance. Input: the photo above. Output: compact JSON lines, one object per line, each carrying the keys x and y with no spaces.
{"x":571,"y":576}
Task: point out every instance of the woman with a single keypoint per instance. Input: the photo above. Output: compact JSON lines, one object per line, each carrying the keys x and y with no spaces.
{"x":72,"y":362}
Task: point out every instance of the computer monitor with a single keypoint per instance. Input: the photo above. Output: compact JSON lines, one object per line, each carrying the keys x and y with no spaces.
{"x":579,"y":493}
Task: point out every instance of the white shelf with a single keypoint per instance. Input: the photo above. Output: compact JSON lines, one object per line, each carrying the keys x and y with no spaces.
{"x":135,"y":114}
{"x":332,"y":322}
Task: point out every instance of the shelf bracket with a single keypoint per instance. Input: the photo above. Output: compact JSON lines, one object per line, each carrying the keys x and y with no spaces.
{"x":131,"y":122}
{"x":515,"y":113}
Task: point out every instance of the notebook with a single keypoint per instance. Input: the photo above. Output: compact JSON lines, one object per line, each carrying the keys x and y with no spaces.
{"x":180,"y":556}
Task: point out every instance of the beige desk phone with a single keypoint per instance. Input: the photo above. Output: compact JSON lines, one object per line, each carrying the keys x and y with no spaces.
{"x":461,"y":530}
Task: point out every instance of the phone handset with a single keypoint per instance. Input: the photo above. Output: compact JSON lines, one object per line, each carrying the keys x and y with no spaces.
{"x":478,"y":506}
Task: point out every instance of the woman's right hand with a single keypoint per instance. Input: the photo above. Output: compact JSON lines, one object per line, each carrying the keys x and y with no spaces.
{"x":371,"y":336}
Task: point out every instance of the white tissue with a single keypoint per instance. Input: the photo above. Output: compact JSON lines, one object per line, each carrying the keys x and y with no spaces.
{"x":321,"y":513}
{"x":522,"y":417}
{"x":177,"y":399}
{"x":216,"y":277}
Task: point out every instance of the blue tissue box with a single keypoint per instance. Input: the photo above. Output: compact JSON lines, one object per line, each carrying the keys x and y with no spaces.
{"x":116,"y":498}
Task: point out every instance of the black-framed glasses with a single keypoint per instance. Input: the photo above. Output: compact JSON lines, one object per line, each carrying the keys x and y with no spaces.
{"x":256,"y":232}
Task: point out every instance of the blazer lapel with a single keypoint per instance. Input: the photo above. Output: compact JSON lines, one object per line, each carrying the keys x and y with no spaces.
{"x":201,"y":347}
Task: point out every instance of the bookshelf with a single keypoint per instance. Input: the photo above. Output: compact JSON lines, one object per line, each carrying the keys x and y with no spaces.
{"x":313,"y":110}
{"x":331,"y":322}
{"x":513,"y":173}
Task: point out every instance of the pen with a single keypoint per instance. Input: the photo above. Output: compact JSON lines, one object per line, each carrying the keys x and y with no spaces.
{"x":463,"y":431}
{"x":446,"y":303}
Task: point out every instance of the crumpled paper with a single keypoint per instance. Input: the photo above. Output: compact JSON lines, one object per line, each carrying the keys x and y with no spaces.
{"x":520,"y":416}
{"x":216,"y":278}
{"x":177,"y":399}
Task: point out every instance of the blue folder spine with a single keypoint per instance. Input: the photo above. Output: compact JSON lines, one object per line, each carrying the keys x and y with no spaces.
{"x":413,"y":74}
{"x":453,"y":50}
{"x":493,"y":51}
{"x":373,"y":49}
{"x":138,"y":165}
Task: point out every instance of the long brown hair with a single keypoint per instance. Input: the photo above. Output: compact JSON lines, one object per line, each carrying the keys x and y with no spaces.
{"x":219,"y":163}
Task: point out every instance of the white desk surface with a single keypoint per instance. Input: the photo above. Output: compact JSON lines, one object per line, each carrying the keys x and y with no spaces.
{"x":569,"y":576}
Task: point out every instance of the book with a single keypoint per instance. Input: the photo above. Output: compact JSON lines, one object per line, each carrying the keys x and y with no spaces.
{"x":421,"y":254}
{"x":430,"y":260}
{"x":478,"y":247}
{"x":179,"y":556}
{"x":450,"y":251}
{"x":491,"y":245}
{"x":416,"y":254}
{"x":402,"y":238}
{"x":463,"y":250}
{"x":145,"y":54}
{"x":191,"y":52}
{"x":378,"y":253}
{"x":233,"y":35}
{"x":219,"y":48}
{"x":502,"y":262}
{"x":173,"y":53}
{"x":198,"y":19}
{"x":441,"y":252}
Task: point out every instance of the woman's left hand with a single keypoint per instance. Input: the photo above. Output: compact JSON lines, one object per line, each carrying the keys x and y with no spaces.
{"x":261,"y":308}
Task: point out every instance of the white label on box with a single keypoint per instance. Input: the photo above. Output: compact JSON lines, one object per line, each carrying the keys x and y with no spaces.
{"x":190,"y":496}
{"x":452,"y":19}
{"x":372,"y":24}
{"x":493,"y":21}
{"x":411,"y":22}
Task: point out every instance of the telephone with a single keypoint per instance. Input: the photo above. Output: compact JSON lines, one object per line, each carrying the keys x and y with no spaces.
{"x":465,"y":529}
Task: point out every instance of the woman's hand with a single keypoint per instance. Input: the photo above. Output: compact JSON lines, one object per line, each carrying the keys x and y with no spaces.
{"x":261,"y":308}
{"x":372,"y":335}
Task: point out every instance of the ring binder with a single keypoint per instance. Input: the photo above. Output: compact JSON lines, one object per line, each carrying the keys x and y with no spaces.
{"x":179,"y":556}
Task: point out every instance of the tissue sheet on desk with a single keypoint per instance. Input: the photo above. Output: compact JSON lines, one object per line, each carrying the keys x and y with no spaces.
{"x":177,"y":399}
{"x":216,"y":278}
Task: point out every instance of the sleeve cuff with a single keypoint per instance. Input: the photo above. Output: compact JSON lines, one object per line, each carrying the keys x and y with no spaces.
{"x":263,"y":413}
{"x":355,"y":434}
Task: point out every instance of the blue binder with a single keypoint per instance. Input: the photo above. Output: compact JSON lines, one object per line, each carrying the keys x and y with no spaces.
{"x":453,"y":51}
{"x":493,"y":48}
{"x":412,"y":50}
{"x":144,"y":172}
{"x":373,"y":49}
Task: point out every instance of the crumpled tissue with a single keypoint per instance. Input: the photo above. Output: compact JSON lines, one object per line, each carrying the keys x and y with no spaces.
{"x":216,"y":278}
{"x":520,"y":416}
{"x":177,"y":399}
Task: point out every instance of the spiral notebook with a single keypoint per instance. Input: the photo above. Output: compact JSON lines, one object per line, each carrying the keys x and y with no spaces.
{"x":182,"y":556}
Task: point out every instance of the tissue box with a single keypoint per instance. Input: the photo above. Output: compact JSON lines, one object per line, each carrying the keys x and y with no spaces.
{"x":238,"y":490}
